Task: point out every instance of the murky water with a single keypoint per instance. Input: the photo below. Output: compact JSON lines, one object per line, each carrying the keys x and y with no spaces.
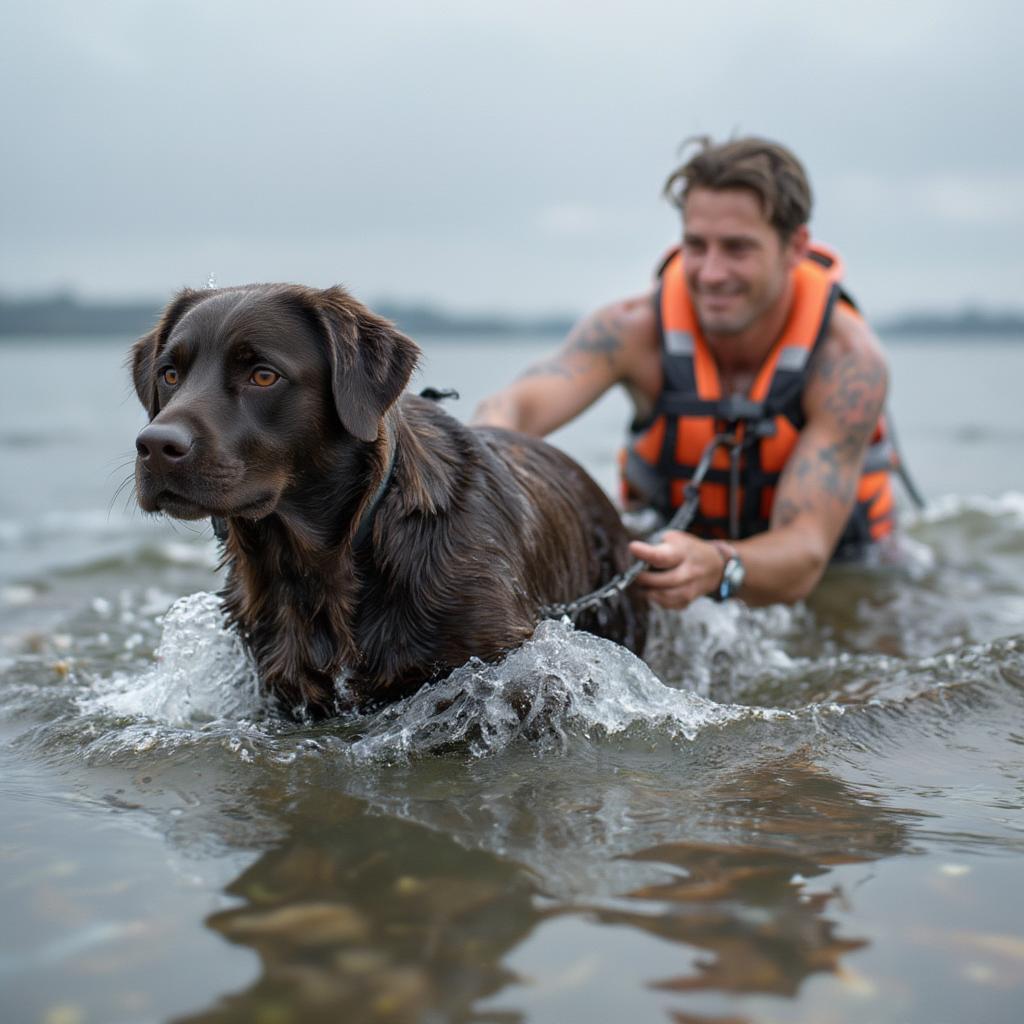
{"x":810,"y":814}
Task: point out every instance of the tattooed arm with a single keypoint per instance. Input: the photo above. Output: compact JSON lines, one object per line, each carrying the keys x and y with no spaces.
{"x":611,"y":346}
{"x":816,"y":492}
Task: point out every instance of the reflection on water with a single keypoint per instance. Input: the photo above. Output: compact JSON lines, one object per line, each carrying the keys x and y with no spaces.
{"x":396,"y":921}
{"x":384,"y":918}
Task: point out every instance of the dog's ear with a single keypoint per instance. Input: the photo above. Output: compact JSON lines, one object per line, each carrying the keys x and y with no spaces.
{"x":143,"y":371}
{"x":146,"y":349}
{"x":371,"y":361}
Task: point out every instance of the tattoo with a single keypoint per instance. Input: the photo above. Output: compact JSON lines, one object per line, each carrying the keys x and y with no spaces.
{"x":852,"y":388}
{"x":815,"y":471}
{"x":855,"y":388}
{"x":836,"y":472}
{"x":547,"y":368}
{"x":785,"y":511}
{"x":598,"y":336}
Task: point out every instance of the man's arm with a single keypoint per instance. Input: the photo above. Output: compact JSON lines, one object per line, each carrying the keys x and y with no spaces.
{"x":816,"y":492}
{"x":600,"y":351}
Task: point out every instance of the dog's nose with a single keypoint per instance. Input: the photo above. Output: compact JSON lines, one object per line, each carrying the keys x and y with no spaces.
{"x":163,"y":446}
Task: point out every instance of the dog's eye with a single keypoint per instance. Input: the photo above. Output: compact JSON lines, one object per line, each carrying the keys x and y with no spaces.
{"x":264,"y":378}
{"x":169,"y":376}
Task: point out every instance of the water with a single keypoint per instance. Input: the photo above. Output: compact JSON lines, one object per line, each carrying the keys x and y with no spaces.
{"x":809,"y":814}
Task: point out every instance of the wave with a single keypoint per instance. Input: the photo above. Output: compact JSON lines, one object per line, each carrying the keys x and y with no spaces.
{"x":951,"y":507}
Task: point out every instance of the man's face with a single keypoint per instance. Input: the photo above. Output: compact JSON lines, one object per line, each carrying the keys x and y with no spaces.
{"x":737,"y":267}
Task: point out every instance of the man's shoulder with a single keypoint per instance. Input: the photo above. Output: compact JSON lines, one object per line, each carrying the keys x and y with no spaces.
{"x":850,"y":337}
{"x":626,"y":333}
{"x":636,"y":315}
{"x":631,"y":322}
{"x":848,"y":362}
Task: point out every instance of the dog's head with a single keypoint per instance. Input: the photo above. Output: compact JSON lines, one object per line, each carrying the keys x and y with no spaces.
{"x":247,"y":387}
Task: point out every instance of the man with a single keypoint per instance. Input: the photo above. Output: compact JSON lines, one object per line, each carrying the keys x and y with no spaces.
{"x":746,"y":333}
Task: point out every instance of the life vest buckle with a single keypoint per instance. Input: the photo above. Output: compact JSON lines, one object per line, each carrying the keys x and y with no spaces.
{"x":762,"y":429}
{"x":736,"y":409}
{"x":740,"y":409}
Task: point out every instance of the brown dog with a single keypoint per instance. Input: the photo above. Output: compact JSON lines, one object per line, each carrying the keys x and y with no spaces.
{"x":368,"y":536}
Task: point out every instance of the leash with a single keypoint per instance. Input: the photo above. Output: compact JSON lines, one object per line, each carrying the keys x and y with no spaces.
{"x":680,"y":520}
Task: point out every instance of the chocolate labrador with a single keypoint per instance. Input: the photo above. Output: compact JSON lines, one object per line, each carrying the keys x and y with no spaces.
{"x":368,"y":536}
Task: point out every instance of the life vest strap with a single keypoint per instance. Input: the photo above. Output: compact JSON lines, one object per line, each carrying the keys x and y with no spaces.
{"x":732,"y":410}
{"x":880,"y":455}
{"x":648,"y":479}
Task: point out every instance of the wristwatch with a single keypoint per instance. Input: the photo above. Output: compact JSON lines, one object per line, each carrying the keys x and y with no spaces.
{"x":733,"y":571}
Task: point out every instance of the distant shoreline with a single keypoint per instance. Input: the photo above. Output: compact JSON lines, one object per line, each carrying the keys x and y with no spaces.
{"x":66,"y":315}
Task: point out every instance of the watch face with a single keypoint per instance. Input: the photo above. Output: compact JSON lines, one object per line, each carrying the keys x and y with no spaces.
{"x":733,"y":576}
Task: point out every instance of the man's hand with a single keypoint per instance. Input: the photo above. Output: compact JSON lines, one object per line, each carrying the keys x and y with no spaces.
{"x":683,"y":568}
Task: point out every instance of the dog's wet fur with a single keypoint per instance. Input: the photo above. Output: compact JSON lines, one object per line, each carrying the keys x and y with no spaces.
{"x":368,"y":535}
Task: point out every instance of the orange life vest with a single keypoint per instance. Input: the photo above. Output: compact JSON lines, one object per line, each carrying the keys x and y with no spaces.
{"x":663,"y":451}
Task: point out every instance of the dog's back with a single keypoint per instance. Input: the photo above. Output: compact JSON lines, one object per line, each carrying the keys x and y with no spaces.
{"x":479,"y":529}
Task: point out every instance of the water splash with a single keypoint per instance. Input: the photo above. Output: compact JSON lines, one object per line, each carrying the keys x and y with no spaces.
{"x":560,"y":685}
{"x":202,"y":673}
{"x":727,"y":650}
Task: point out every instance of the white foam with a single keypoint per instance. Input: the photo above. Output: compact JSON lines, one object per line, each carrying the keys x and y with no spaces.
{"x":712,"y":641}
{"x":202,"y":673}
{"x":560,"y":681}
{"x":952,"y":506}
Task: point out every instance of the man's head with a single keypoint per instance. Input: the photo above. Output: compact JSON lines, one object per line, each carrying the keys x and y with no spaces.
{"x":745,"y":206}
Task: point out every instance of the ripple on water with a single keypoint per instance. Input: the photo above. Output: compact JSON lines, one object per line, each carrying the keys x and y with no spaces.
{"x":781,"y":665}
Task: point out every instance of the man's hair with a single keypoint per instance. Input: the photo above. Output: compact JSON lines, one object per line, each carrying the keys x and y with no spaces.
{"x":765,"y":168}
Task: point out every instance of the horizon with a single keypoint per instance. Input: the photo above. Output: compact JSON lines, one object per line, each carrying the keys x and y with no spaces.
{"x":35,"y":307}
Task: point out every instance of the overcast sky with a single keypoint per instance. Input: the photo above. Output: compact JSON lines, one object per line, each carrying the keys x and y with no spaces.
{"x":497,"y":155}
